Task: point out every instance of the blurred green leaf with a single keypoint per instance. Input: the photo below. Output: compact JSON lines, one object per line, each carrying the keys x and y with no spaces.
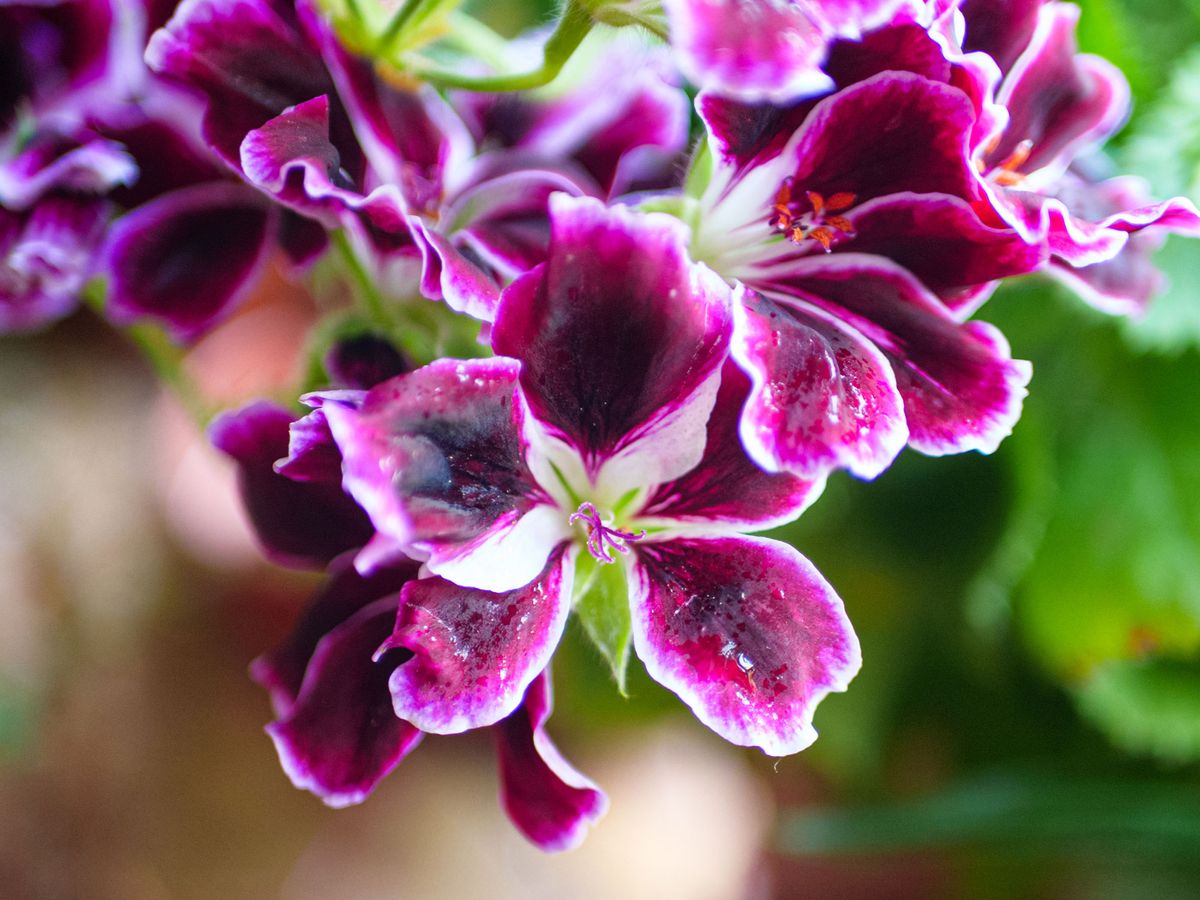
{"x":602,"y":605}
{"x":1147,"y":707}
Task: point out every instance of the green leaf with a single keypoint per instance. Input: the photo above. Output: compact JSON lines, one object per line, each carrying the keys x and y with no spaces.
{"x":1147,"y":707}
{"x":602,"y":605}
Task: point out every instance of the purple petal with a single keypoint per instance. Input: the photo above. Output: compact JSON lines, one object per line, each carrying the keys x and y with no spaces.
{"x":246,"y":57}
{"x":364,"y":360}
{"x":50,"y":163}
{"x":621,"y":339}
{"x":437,"y":459}
{"x":1060,"y":101}
{"x":161,"y":257}
{"x":476,"y":652}
{"x":1000,"y":28}
{"x":746,"y":632}
{"x":46,"y":257}
{"x":449,"y":273}
{"x":341,"y":737}
{"x":726,"y":487}
{"x":304,"y":524}
{"x":823,"y":397}
{"x":961,"y":388}
{"x":547,"y":799}
{"x":281,"y":670}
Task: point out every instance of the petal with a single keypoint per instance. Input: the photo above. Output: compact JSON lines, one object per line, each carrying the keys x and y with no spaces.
{"x":547,"y":799}
{"x":437,"y":459}
{"x":304,"y":524}
{"x":281,"y":670}
{"x":341,"y":737}
{"x":161,"y":257}
{"x":961,"y":388}
{"x":823,"y":396}
{"x":1000,"y":28}
{"x":450,"y":274}
{"x":727,"y":488}
{"x":621,"y":338}
{"x":1059,"y":100}
{"x":246,"y":58}
{"x":362,"y":361}
{"x":746,"y":632}
{"x":46,"y":257}
{"x":476,"y":652}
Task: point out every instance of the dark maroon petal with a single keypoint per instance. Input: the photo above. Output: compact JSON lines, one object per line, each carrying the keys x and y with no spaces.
{"x":942,"y":241}
{"x":545,"y":797}
{"x":823,"y":396}
{"x":476,"y":652}
{"x":961,"y":388}
{"x":1000,"y":28}
{"x":46,"y":257}
{"x":302,"y":240}
{"x":246,"y":57}
{"x":281,"y":670}
{"x":726,"y":487}
{"x":161,"y":256}
{"x":1059,"y":101}
{"x":363,"y":361}
{"x":437,"y":457}
{"x":893,"y":133}
{"x":618,"y":333}
{"x":341,"y":737}
{"x":303,"y":524}
{"x":746,"y":632}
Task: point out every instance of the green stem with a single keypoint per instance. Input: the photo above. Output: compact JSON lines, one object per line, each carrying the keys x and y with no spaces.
{"x":572,"y":28}
{"x":365,"y":290}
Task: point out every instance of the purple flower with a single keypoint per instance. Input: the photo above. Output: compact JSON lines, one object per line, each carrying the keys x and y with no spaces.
{"x":609,"y":426}
{"x":1061,"y":103}
{"x":859,"y":238}
{"x":337,"y":735}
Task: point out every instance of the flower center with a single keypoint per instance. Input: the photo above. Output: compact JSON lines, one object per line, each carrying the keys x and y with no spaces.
{"x":602,"y":539}
{"x":819,"y":222}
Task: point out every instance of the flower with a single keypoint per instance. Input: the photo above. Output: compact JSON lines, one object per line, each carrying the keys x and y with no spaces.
{"x":607,"y":429}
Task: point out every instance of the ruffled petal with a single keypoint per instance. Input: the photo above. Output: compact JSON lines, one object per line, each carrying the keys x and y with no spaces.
{"x":961,"y":388}
{"x":161,"y":255}
{"x":476,"y":652}
{"x":437,"y":458}
{"x":621,"y":339}
{"x":746,"y":632}
{"x":545,"y":797}
{"x":303,"y":524}
{"x":281,"y":670}
{"x":823,"y":396}
{"x":1000,"y":28}
{"x":727,"y":489}
{"x":246,"y":57}
{"x":341,"y":737}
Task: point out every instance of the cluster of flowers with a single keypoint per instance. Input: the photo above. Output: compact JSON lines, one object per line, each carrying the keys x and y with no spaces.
{"x":687,"y":339}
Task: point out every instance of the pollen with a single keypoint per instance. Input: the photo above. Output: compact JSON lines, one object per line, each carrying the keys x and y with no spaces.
{"x":820,"y":221}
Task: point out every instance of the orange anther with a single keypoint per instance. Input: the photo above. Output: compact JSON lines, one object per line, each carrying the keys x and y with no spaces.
{"x":841,"y":223}
{"x":823,"y":236}
{"x":840,"y":201}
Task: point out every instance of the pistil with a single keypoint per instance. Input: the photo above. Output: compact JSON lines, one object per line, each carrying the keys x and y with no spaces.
{"x":602,"y":538}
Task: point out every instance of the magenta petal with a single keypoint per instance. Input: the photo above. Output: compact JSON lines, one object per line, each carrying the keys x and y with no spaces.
{"x":341,"y":737}
{"x":961,"y":388}
{"x":726,"y":487}
{"x":437,"y":459}
{"x":451,"y":275}
{"x":542,"y":793}
{"x":246,"y":57}
{"x":476,"y":652}
{"x":746,"y":632}
{"x":161,"y":256}
{"x":618,"y":334}
{"x":1000,"y":28}
{"x":281,"y":670}
{"x":824,"y":397}
{"x":303,"y":524}
{"x":1059,"y":100}
{"x":46,"y":257}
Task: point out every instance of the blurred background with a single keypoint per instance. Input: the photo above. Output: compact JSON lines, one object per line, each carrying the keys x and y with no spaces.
{"x":1026,"y":723}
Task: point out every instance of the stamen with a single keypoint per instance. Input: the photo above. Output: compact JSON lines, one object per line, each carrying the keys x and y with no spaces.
{"x":819,"y":223}
{"x":1005,"y":174}
{"x":603,"y":538}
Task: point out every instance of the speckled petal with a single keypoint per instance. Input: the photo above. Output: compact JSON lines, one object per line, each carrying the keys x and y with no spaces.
{"x":476,"y":652}
{"x":746,"y":632}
